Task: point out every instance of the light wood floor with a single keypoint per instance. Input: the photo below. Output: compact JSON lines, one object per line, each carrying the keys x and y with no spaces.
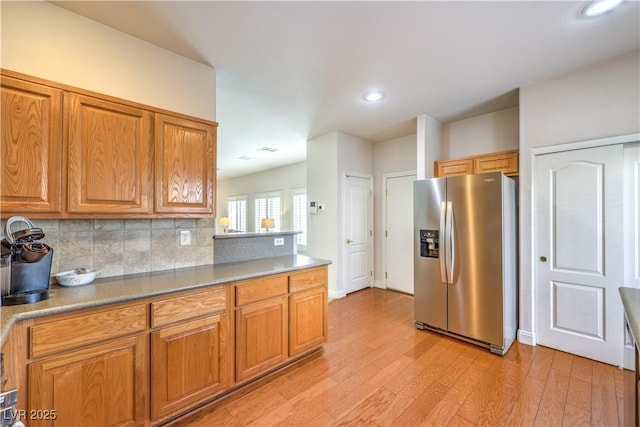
{"x":378,"y":370}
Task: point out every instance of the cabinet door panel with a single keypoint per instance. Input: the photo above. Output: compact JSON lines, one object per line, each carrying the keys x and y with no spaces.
{"x":261,"y":337}
{"x":453,"y":167}
{"x":308,"y":311}
{"x":99,"y":386}
{"x":185,"y":165}
{"x":506,"y":161}
{"x":188,"y":365}
{"x":31,"y":150}
{"x":109,"y":157}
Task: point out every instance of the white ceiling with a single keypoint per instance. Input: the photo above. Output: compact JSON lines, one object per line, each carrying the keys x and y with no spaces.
{"x":289,"y":71}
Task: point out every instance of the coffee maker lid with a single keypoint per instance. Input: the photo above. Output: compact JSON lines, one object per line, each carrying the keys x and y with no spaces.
{"x":26,"y":235}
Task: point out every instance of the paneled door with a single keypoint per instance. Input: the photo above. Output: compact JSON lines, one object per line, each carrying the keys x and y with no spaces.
{"x":357,"y":233}
{"x":579,"y":255}
{"x":398,"y":232}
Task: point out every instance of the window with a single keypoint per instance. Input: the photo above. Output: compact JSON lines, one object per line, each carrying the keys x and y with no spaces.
{"x":268,"y":205}
{"x":299,"y":212}
{"x":237,"y":206}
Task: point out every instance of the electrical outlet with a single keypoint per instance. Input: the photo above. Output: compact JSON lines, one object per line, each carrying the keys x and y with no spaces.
{"x":278,"y":241}
{"x":185,"y":237}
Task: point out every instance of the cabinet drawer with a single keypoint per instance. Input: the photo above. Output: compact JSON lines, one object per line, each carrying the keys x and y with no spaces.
{"x":260,"y":289}
{"x":53,"y":336}
{"x":188,"y":306}
{"x":307,"y":279}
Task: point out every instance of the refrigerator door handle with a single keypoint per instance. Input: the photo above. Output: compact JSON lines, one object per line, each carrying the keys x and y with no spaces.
{"x":443,"y":243}
{"x":451,"y":241}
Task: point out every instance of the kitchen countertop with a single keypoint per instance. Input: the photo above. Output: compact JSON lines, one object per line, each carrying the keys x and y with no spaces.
{"x":117,"y":289}
{"x":631,"y":302}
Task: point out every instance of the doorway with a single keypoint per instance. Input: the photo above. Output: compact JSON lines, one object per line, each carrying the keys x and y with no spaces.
{"x":398,"y":231}
{"x":581,"y":210}
{"x":357,"y":241}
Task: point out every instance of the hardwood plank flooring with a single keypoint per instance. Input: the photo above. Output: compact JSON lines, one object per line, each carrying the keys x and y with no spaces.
{"x":378,"y":370}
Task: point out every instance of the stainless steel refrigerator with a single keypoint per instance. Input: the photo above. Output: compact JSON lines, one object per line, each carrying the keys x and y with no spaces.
{"x":465,"y":258}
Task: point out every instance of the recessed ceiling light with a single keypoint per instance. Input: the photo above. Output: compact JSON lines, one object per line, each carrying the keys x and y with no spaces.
{"x":373,"y":96}
{"x":600,"y":7}
{"x":244,"y":158}
{"x":268,"y":149}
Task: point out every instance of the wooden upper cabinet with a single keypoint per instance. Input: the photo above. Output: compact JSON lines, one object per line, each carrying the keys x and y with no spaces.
{"x":109,"y":157}
{"x":184,"y":165}
{"x":31,"y":148}
{"x":503,"y":161}
{"x":454,"y":167}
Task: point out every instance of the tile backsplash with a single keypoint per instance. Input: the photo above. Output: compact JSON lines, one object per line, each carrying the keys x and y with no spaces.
{"x":126,"y":246}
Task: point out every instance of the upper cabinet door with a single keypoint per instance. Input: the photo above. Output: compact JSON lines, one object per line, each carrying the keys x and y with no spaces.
{"x":505,"y":161}
{"x":109,"y":157}
{"x":184,"y":166}
{"x":31,"y":148}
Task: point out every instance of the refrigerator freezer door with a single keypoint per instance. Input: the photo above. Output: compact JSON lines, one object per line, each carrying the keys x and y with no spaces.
{"x":430,"y":292}
{"x":475,"y":293}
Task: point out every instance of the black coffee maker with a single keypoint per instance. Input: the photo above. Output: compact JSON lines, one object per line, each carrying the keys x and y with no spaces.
{"x":30,"y":264}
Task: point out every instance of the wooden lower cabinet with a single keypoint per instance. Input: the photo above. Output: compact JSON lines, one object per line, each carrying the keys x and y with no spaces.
{"x":307,"y":320}
{"x":261,"y":337}
{"x":103,"y":385}
{"x":148,"y":362}
{"x":188,"y":364}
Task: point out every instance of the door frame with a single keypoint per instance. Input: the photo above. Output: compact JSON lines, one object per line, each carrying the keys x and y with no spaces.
{"x":341,"y":233}
{"x":385,"y":178}
{"x":529,"y":337}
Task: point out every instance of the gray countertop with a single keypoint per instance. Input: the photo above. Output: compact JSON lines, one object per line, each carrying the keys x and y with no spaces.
{"x":631,"y":302}
{"x":127,"y":288}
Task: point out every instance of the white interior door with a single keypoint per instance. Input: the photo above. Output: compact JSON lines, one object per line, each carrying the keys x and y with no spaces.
{"x":579,"y":265}
{"x":357,"y":229}
{"x":399,"y":232}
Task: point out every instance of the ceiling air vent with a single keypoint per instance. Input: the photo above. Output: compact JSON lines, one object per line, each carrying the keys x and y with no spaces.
{"x":268,"y":149}
{"x":244,"y":158}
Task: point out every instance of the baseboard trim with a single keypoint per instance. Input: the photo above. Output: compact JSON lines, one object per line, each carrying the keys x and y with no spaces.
{"x":379,"y":284}
{"x":336,"y":294}
{"x":526,"y":337}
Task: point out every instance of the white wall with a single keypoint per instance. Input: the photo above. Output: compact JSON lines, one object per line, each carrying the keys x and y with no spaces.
{"x":395,"y":155}
{"x":46,"y":41}
{"x":497,"y":131}
{"x":328,"y":157}
{"x":282,"y":179}
{"x":428,"y":145}
{"x":43,"y":40}
{"x":595,"y":102}
{"x":322,"y":186}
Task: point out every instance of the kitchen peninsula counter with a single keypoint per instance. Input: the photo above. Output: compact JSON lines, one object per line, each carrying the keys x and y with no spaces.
{"x":119,"y":289}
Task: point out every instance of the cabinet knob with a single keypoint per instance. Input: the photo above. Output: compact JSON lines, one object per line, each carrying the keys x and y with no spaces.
{"x":543,"y":259}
